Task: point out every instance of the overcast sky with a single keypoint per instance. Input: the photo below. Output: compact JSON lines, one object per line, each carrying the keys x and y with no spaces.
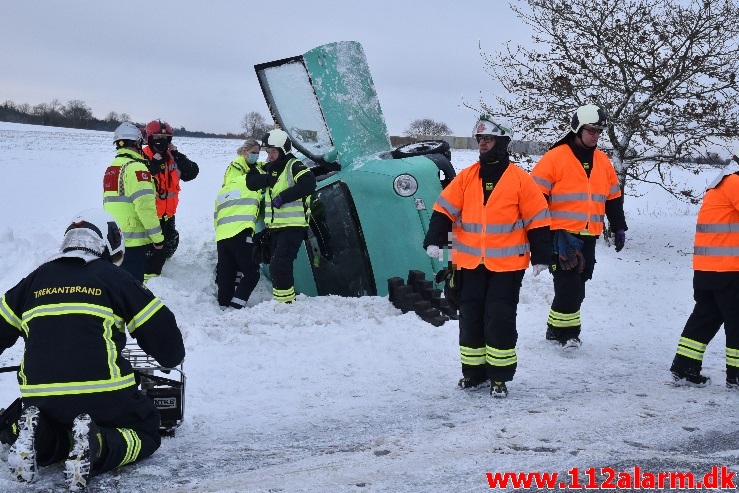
{"x":191,"y":62}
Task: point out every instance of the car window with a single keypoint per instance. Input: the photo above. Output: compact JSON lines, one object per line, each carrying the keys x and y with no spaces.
{"x":290,"y":90}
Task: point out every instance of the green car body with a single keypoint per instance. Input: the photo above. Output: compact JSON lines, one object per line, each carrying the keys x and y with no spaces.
{"x":363,"y":231}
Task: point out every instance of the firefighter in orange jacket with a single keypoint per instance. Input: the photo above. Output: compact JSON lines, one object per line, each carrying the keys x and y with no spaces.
{"x":168,"y":166}
{"x":582,"y":188}
{"x":498,"y":221}
{"x":715,"y":282}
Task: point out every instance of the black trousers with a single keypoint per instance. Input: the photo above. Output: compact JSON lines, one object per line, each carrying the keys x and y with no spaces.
{"x":488,"y":303}
{"x":130,"y":431}
{"x":235,"y":255}
{"x":134,"y":261}
{"x":157,"y":258}
{"x":569,"y":293}
{"x":713,"y":308}
{"x":284,"y":246}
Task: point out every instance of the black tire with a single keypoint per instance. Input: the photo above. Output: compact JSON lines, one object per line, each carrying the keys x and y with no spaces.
{"x":420,"y":148}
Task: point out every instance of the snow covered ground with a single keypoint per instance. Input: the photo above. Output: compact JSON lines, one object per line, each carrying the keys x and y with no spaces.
{"x":337,"y":394}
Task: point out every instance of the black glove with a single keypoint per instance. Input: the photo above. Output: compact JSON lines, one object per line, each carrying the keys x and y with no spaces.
{"x":620,"y":239}
{"x":262,"y":253}
{"x":450,"y":278}
{"x":156,"y":163}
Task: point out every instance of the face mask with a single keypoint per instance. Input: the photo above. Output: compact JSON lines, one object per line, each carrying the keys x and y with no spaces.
{"x":159,"y":144}
{"x":252,"y":158}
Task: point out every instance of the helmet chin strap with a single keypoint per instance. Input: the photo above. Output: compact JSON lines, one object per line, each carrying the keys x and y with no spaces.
{"x":582,"y":142}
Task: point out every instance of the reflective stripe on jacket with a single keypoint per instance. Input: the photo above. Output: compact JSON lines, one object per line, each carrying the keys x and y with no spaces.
{"x":294,"y":213}
{"x":577,"y":203}
{"x":167,"y":183}
{"x":128,"y":195}
{"x":237,"y":207}
{"x":73,"y":318}
{"x":493,"y":233}
{"x":717,"y":230}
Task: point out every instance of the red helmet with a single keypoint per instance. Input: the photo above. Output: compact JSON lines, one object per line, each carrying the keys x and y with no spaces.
{"x":158,"y":129}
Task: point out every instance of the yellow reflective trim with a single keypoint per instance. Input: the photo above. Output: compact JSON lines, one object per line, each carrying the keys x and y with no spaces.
{"x":691,"y":349}
{"x":21,"y":373}
{"x":110,"y":349}
{"x":74,"y":388}
{"x":8,"y":314}
{"x":500,"y":357}
{"x":472,"y":356}
{"x":557,"y":319}
{"x":692,"y":344}
{"x":133,"y":446}
{"x":141,"y":317}
{"x":72,"y":308}
{"x":732,"y":357}
{"x":689,"y":353}
{"x":284,"y":295}
{"x":300,"y":173}
{"x":501,"y":362}
{"x":473,"y":361}
{"x":472,"y":351}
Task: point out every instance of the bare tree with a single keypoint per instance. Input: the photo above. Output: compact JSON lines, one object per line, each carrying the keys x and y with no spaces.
{"x":665,"y":70}
{"x":112,"y":117}
{"x":78,"y":113}
{"x":42,"y":111}
{"x":427,"y":127}
{"x":255,"y":125}
{"x":55,"y":111}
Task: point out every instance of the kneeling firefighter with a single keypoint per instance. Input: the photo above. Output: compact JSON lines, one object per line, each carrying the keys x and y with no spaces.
{"x":80,"y":401}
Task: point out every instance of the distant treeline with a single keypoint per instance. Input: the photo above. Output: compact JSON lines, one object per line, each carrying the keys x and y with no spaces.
{"x":76,"y":114}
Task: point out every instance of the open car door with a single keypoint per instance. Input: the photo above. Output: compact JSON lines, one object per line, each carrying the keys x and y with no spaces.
{"x":326,"y":101}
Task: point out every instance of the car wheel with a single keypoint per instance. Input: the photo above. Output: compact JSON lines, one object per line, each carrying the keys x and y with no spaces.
{"x":420,"y":148}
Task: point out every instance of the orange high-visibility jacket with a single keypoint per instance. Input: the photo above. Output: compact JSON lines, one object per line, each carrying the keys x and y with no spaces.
{"x":577,"y":203}
{"x":717,"y":231}
{"x":493,"y":233}
{"x":167,"y":183}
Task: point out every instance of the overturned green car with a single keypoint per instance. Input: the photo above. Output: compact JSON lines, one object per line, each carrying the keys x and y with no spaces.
{"x":372,"y":205}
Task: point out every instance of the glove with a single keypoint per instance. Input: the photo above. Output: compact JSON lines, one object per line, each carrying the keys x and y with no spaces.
{"x":277,"y":202}
{"x":434,"y":251}
{"x":172,"y":148}
{"x":538,"y":268}
{"x":156,"y":164}
{"x":569,"y":251}
{"x":158,"y":246}
{"x":620,"y":240}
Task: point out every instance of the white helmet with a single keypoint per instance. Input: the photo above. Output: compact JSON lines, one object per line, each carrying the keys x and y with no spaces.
{"x":127,"y":131}
{"x":485,"y":126}
{"x":277,"y":139}
{"x":589,"y":114}
{"x":97,"y":232}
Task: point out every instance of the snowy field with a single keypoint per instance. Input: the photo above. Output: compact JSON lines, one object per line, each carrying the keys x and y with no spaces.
{"x":335,"y":394}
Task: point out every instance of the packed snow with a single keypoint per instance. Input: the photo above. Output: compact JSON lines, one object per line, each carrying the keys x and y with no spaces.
{"x":349,"y":394}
